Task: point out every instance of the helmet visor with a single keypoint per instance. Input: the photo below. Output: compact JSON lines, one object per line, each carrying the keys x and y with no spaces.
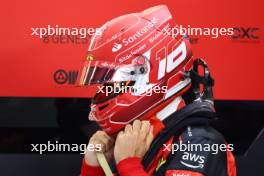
{"x":100,"y":72}
{"x":95,"y":73}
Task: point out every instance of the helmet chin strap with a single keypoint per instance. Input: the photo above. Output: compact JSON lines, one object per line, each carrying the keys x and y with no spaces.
{"x":103,"y":163}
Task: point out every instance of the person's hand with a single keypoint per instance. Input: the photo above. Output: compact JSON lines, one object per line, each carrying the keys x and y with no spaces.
{"x":106,"y":142}
{"x":134,"y":141}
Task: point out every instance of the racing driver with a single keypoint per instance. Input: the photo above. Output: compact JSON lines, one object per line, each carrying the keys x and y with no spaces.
{"x":160,"y":101}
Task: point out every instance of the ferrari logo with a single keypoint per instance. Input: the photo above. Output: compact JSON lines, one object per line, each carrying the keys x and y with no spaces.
{"x":90,"y":57}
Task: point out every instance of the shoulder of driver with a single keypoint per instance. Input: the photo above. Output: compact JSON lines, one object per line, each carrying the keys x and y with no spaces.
{"x":199,"y":149}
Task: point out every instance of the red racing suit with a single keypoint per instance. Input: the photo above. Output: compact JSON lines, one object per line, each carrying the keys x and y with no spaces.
{"x":170,"y":162}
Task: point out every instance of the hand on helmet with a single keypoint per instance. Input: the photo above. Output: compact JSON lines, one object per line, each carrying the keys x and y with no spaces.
{"x":134,"y":141}
{"x":107,"y":146}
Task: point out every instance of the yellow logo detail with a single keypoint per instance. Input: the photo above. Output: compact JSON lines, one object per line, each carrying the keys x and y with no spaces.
{"x":161,"y":162}
{"x":90,"y":57}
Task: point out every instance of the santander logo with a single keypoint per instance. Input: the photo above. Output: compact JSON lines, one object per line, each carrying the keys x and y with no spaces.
{"x":136,"y":35}
{"x":116,"y":47}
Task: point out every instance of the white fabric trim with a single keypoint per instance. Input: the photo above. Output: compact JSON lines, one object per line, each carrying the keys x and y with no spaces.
{"x":169,"y":109}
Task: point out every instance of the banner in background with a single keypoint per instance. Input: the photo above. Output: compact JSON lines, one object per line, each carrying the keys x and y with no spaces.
{"x":31,"y":66}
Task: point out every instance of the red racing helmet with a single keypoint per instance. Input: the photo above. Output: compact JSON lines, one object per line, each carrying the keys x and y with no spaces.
{"x":138,"y":66}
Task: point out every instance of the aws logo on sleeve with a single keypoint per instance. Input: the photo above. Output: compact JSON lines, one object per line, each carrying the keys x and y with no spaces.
{"x":192,"y":160}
